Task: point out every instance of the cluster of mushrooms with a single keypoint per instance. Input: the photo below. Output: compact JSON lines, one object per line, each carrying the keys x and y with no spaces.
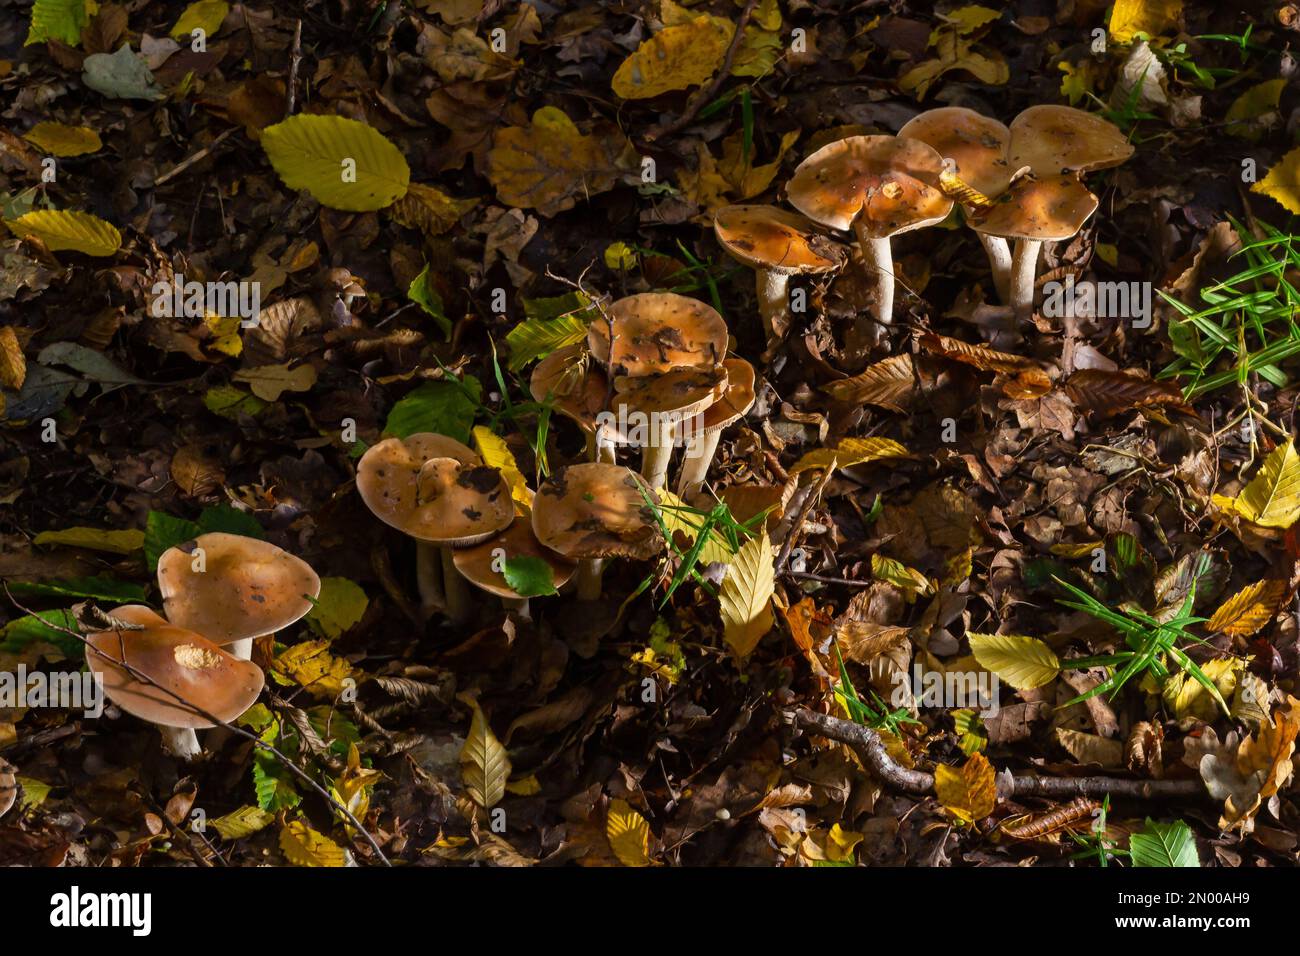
{"x":1018,"y":187}
{"x":220,"y":592}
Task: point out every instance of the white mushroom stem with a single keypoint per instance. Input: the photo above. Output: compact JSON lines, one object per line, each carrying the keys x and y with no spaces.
{"x":590,"y":571}
{"x":181,"y":742}
{"x":658,"y":453}
{"x":773,"y":302}
{"x":699,"y":456}
{"x":519,"y":606}
{"x":600,"y":448}
{"x":459,"y":606}
{"x":999,"y":253}
{"x":1024,"y":265}
{"x":241,"y":650}
{"x":877,"y":254}
{"x":428,"y":575}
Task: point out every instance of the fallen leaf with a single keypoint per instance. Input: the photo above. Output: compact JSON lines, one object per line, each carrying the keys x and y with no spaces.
{"x":268,"y":382}
{"x":1249,"y":609}
{"x":343,"y":163}
{"x":628,"y":834}
{"x":68,"y":231}
{"x":675,"y":58}
{"x":745,"y":598}
{"x":485,"y":765}
{"x":969,"y":793}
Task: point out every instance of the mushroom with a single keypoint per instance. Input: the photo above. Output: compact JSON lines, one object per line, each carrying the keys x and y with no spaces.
{"x":483,"y":564}
{"x":1032,"y":212}
{"x":878,"y":186}
{"x":232,"y":589}
{"x":657,"y":332}
{"x":182,"y":664}
{"x":8,"y":787}
{"x":593,"y":511}
{"x":776,"y":244}
{"x":663,"y":405}
{"x":396,"y":461}
{"x":442,"y":501}
{"x":738,"y":399}
{"x":578,"y":389}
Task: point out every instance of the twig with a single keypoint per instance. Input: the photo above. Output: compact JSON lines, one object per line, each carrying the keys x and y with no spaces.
{"x":866,"y":743}
{"x":706,"y":94}
{"x":796,"y":527}
{"x":295,"y":57}
{"x":190,"y":160}
{"x":824,"y":579}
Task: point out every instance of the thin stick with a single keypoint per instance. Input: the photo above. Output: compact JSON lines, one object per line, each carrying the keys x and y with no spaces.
{"x":796,"y":527}
{"x":189,"y":161}
{"x":295,"y":57}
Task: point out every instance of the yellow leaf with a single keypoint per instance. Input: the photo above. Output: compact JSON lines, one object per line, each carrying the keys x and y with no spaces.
{"x":242,"y":822}
{"x":484,"y":763}
{"x":303,"y":846}
{"x":1268,"y":753}
{"x":352,"y":788}
{"x":343,"y":163}
{"x":497,"y":455}
{"x":59,"y":139}
{"x":1023,"y":662}
{"x":1249,"y":609}
{"x":1079,"y":80}
{"x":1260,"y":101}
{"x":954,"y":53}
{"x":1283,"y":182}
{"x":970,"y":793}
{"x":1188,"y":697}
{"x":628,"y":834}
{"x":311,"y":665}
{"x":430,"y":210}
{"x":678,"y":518}
{"x":744,"y":178}
{"x":268,"y":381}
{"x":675,"y":58}
{"x":114,"y":542}
{"x":525,"y":786}
{"x":911,"y":581}
{"x":13,"y":364}
{"x":1151,"y":17}
{"x":68,"y":231}
{"x":1272,"y":499}
{"x":225,"y":333}
{"x":549,"y":165}
{"x":206,"y":15}
{"x":620,"y":257}
{"x":745,"y":598}
{"x":850,"y":452}
{"x":966,"y":20}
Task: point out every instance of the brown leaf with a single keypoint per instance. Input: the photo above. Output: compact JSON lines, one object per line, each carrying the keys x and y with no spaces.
{"x":13,"y":364}
{"x":888,"y":384}
{"x":1109,"y":393}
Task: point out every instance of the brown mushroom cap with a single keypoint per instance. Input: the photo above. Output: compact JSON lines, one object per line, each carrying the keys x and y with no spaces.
{"x":977,"y":145}
{"x":891,"y":184}
{"x":518,"y":541}
{"x":765,"y":237}
{"x":247,"y":588}
{"x":682,"y":391}
{"x":1041,"y":209}
{"x":1052,"y":140}
{"x":8,"y":787}
{"x":735,"y":401}
{"x":576,"y":385}
{"x":657,"y":332}
{"x":596,"y":511}
{"x":185,"y":663}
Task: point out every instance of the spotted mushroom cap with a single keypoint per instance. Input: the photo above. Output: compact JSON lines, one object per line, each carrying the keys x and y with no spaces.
{"x":735,"y":401}
{"x":178,"y":660}
{"x":681,"y":392}
{"x":765,"y":237}
{"x":596,"y":510}
{"x":656,"y":332}
{"x":977,"y":145}
{"x":891,"y":185}
{"x":246,"y":587}
{"x":477,"y":564}
{"x":1041,"y":209}
{"x":1052,"y":140}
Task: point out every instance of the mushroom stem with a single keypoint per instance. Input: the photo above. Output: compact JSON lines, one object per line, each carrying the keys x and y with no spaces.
{"x":999,"y":253}
{"x":241,"y":650}
{"x":878,"y":257}
{"x":773,"y":303}
{"x":699,"y":456}
{"x":590,"y":571}
{"x":1023,"y":267}
{"x":181,"y":742}
{"x":519,"y":606}
{"x":658,"y":453}
{"x":428,"y":576}
{"x":599,"y":448}
{"x":458,"y":607}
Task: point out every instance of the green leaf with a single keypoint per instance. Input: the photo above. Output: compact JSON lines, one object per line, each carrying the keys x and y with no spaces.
{"x":443,"y":407}
{"x":423,"y":294}
{"x":94,"y":588}
{"x":271,"y":781}
{"x":95,"y":539}
{"x":163,"y":531}
{"x":230,"y":402}
{"x":341,"y":604}
{"x":36,"y":628}
{"x":549,"y":308}
{"x":538,"y":338}
{"x":123,"y":75}
{"x":231,"y":521}
{"x":1164,"y":845}
{"x":529,"y":576}
{"x":57,"y":20}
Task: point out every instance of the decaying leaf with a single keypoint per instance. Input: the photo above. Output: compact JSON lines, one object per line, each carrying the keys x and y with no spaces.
{"x":968,"y":793}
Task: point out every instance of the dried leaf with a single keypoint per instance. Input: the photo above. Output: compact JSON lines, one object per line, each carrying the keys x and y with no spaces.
{"x":969,"y":793}
{"x":628,"y":834}
{"x":1249,"y":609}
{"x":745,"y":598}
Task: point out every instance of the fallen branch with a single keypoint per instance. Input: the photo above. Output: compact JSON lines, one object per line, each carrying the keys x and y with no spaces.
{"x":866,"y":743}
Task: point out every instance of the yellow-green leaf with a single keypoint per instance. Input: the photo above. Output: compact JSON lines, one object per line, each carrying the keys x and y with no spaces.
{"x":68,"y":231}
{"x":1257,"y":102}
{"x":537,"y":338}
{"x":850,"y":452}
{"x":1128,"y":18}
{"x":620,"y":257}
{"x":1272,"y":499}
{"x":966,"y":20}
{"x":428,"y":209}
{"x":1185,"y":696}
{"x":496,"y":454}
{"x":343,"y":163}
{"x":677,"y":519}
{"x":206,"y":15}
{"x":95,"y":539}
{"x":1023,"y":662}
{"x":1283,"y":182}
{"x":628,"y":834}
{"x":484,"y":763}
{"x":340,"y":604}
{"x":675,"y":58}
{"x":58,"y":20}
{"x":242,"y":822}
{"x":968,"y":793}
{"x":59,"y":139}
{"x":312,"y":666}
{"x":303,"y":846}
{"x":911,"y":581}
{"x":745,"y":598}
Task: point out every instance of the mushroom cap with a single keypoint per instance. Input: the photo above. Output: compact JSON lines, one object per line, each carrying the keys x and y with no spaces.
{"x":577,"y":388}
{"x":8,"y":787}
{"x":765,"y":237}
{"x":976,"y":144}
{"x":682,"y":392}
{"x":444,"y":499}
{"x":1042,"y":209}
{"x":185,"y":663}
{"x":518,"y":541}
{"x":658,"y":331}
{"x":248,"y":587}
{"x":890,"y":184}
{"x":596,"y":510}
{"x":735,"y":401}
{"x":1052,"y":140}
